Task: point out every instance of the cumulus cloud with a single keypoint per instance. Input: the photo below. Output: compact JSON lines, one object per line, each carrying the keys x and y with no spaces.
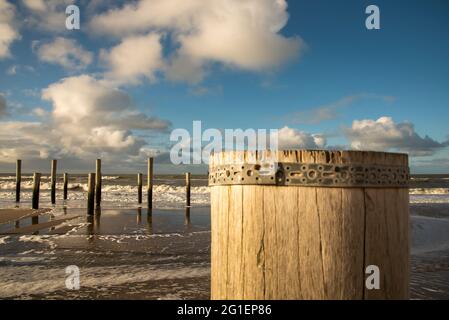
{"x":64,"y":52}
{"x":238,"y":34}
{"x":289,"y":138}
{"x":135,"y":58}
{"x":88,"y":119}
{"x":31,"y":140}
{"x":16,"y":69}
{"x":47,"y":15}
{"x":8,"y":30}
{"x":384,"y":134}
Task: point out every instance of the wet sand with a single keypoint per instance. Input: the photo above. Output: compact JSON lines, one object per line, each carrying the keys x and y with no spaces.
{"x":121,"y":254}
{"x":130,"y":254}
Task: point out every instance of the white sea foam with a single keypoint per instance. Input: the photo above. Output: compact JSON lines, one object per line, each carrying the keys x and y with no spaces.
{"x":3,"y":239}
{"x":27,"y":280}
{"x":110,"y":177}
{"x":164,"y":196}
{"x":429,"y":191}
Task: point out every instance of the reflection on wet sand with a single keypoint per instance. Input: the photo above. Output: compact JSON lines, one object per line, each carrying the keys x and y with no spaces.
{"x":117,"y":221}
{"x":139,"y":215}
{"x":187,"y":221}
{"x":150,"y":221}
{"x":94,"y":222}
{"x":35,"y":220}
{"x":121,"y":253}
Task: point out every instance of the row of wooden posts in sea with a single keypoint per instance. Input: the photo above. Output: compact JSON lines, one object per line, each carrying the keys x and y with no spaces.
{"x":93,"y":186}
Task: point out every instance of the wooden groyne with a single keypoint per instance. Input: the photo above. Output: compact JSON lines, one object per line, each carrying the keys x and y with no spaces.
{"x":54,"y":164}
{"x":98,"y":182}
{"x":91,"y":193}
{"x":94,"y":185}
{"x":36,"y":189}
{"x":18,"y":179}
{"x":150,"y":183}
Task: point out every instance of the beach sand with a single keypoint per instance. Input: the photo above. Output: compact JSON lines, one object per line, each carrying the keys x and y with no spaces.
{"x":120,"y":253}
{"x":129,"y":254}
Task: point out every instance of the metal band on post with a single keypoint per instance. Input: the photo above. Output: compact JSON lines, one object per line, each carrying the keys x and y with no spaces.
{"x":311,"y":174}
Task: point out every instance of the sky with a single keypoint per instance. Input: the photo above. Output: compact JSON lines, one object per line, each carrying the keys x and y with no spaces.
{"x":136,"y":70}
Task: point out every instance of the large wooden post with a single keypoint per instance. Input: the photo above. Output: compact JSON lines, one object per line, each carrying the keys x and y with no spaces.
{"x":139,"y":188}
{"x":36,"y":188}
{"x":312,"y":227}
{"x":98,"y":183}
{"x":150,"y":183}
{"x":91,"y":194}
{"x":66,"y":185}
{"x":18,"y":179}
{"x":187,"y":189}
{"x":54,"y":164}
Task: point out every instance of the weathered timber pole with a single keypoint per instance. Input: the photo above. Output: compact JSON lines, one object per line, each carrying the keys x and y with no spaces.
{"x":54,"y":164}
{"x":150,"y":183}
{"x":66,"y":185}
{"x":91,"y":194}
{"x":98,"y":183}
{"x":18,"y":179}
{"x":36,"y":188}
{"x":187,"y":189}
{"x":139,"y":187}
{"x":312,"y":228}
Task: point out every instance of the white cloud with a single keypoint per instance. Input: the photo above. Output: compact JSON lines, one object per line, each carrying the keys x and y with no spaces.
{"x":12,"y":70}
{"x":40,"y":112}
{"x":65,"y":52}
{"x":384,"y":134}
{"x":289,"y":138}
{"x":36,"y":5}
{"x":136,"y":57}
{"x":47,"y":15}
{"x":238,"y":34}
{"x":25,"y":140}
{"x":15,"y":69}
{"x":8,"y":30}
{"x":88,"y":119}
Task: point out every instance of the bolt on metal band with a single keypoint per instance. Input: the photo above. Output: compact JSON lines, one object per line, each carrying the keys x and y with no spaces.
{"x":310,"y":174}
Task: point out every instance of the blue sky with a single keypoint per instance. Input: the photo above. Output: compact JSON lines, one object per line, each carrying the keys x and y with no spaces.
{"x":328,"y":71}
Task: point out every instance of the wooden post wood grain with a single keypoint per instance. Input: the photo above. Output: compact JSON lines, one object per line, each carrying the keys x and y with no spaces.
{"x":66,"y":185}
{"x":18,"y":179}
{"x":303,"y":242}
{"x":150,"y":183}
{"x":54,"y":164}
{"x":91,"y":194}
{"x":188,"y":189}
{"x":36,"y":189}
{"x":139,"y":187}
{"x":98,"y":183}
